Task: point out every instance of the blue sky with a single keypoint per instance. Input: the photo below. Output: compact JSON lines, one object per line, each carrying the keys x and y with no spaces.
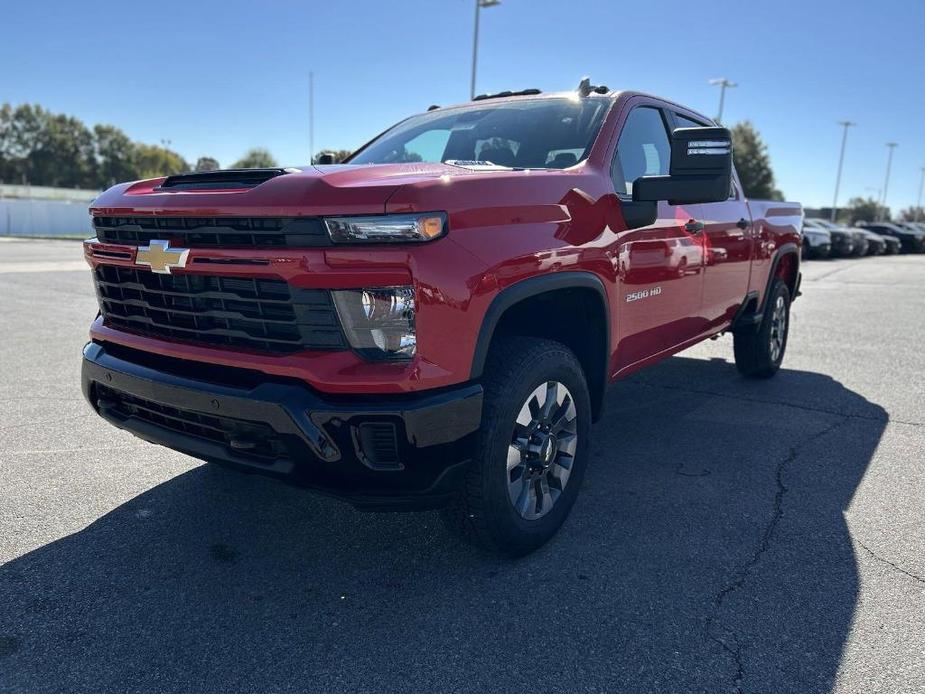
{"x":217,"y":77}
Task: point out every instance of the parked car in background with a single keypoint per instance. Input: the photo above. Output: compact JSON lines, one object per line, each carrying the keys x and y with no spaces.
{"x":861,"y":237}
{"x":817,"y":243}
{"x":876,"y":244}
{"x":842,"y":239}
{"x":911,"y":240}
{"x":911,"y":226}
{"x":893,"y":245}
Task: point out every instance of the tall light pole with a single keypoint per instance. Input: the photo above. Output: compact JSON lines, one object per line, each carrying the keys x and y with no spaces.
{"x":841,"y":160}
{"x":479,"y":4}
{"x":889,"y":162}
{"x":724,"y":84}
{"x":311,"y":117}
{"x":918,"y":205}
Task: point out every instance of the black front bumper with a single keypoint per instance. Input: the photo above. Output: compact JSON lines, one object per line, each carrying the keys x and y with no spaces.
{"x":384,"y":451}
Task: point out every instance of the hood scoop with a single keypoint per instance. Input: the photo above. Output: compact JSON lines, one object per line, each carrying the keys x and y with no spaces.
{"x":224,"y":179}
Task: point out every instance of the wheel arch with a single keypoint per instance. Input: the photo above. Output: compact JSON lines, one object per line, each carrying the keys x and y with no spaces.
{"x":586,"y":329}
{"x":784,"y":265}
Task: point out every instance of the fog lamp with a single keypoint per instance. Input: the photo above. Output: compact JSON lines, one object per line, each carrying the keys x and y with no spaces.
{"x":378,"y":322}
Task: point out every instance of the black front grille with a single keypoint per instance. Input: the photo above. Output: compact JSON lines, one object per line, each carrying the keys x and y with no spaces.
{"x":251,"y":439}
{"x":214,"y":232}
{"x":241,"y":312}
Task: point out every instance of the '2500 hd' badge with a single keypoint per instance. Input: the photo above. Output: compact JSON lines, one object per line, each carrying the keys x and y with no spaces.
{"x":160,"y":257}
{"x":643,"y":294}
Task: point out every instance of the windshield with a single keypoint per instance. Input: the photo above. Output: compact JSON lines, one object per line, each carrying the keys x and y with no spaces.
{"x":531,"y":134}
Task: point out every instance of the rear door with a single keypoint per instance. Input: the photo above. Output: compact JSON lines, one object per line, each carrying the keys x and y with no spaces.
{"x":728,"y":240}
{"x":660,"y":266}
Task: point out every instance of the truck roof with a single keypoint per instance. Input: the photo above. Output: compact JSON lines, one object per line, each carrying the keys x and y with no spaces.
{"x":535,"y":94}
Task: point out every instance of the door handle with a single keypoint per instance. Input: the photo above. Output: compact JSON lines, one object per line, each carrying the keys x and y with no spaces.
{"x":742,"y":224}
{"x":693,"y":227}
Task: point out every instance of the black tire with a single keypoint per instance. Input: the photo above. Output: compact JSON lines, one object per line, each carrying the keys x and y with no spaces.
{"x":483,"y":511}
{"x":759,"y":353}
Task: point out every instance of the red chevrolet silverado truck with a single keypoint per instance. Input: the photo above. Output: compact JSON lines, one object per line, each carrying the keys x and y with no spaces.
{"x":433,"y":323}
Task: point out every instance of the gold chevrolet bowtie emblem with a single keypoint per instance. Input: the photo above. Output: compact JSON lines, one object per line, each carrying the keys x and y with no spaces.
{"x":161,"y":257}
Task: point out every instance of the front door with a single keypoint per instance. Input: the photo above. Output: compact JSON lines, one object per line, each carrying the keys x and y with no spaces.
{"x":661,"y":265}
{"x":728,"y":239}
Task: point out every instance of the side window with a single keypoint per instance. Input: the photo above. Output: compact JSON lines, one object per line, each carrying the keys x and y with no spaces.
{"x":684,"y":122}
{"x":642,"y":149}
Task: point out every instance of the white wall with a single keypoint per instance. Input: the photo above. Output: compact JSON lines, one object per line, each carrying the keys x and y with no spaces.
{"x":31,"y":217}
{"x":46,"y":193}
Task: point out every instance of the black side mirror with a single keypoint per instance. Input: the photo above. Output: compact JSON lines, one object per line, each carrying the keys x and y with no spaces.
{"x":700,"y":170}
{"x":325,"y":158}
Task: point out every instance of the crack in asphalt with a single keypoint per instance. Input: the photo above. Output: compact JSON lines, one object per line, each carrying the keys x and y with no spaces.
{"x":741,"y":574}
{"x":895,"y":567}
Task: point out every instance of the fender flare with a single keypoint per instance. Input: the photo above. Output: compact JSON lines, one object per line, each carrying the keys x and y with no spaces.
{"x":785,"y":250}
{"x":751,"y":320}
{"x":535,"y":286}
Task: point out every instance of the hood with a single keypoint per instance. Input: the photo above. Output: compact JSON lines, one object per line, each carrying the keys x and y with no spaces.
{"x":336,"y":189}
{"x":291,"y":192}
{"x":307,"y":191}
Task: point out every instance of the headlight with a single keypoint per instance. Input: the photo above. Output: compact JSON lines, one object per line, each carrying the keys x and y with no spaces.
{"x":379,"y":323}
{"x":390,"y":228}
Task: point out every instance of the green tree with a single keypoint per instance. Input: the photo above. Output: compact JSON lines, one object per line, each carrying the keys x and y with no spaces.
{"x":115,"y":154}
{"x":256,"y":158}
{"x":339,"y":154}
{"x":753,"y":163}
{"x":48,"y":149}
{"x":8,"y":170}
{"x":207,"y":164}
{"x":912,"y":214}
{"x":151,"y":161}
{"x":20,"y":131}
{"x":43,"y":148}
{"x":69,"y":141}
{"x":865,"y":210}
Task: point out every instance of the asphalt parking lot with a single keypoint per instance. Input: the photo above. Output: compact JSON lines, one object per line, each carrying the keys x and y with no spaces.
{"x":730,"y":536}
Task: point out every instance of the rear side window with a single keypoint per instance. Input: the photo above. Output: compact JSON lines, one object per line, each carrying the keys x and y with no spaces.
{"x":642,"y":150}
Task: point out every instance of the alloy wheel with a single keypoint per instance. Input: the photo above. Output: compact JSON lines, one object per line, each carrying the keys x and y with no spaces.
{"x":778,"y":328}
{"x":542,"y":450}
